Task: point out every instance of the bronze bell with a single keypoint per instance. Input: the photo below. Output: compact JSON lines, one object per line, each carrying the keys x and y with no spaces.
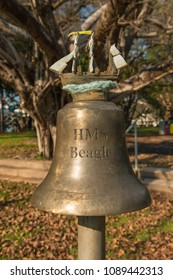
{"x":91,"y":174}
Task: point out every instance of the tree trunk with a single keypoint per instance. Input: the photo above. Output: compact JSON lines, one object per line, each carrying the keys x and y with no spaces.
{"x":167,"y":103}
{"x":48,"y":143}
{"x":53,"y":135}
{"x":44,"y":140}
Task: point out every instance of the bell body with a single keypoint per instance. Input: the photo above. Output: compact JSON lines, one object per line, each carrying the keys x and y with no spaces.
{"x":91,"y":174}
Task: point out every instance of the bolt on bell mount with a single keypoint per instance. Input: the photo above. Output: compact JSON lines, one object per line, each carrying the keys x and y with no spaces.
{"x":91,"y":175}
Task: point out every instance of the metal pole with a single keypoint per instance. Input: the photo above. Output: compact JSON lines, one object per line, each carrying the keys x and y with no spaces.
{"x":133,"y":124}
{"x":136,"y":148}
{"x":91,"y":237}
{"x":2,"y":111}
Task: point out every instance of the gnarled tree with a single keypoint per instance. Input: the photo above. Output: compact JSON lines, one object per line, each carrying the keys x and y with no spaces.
{"x":33,"y":36}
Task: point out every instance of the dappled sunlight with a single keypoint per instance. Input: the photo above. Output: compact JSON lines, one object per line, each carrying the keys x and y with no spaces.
{"x":155,"y":160}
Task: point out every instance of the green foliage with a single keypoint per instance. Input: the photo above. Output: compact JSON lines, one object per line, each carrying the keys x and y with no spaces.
{"x":21,"y":145}
{"x":154,"y":95}
{"x":84,"y":63}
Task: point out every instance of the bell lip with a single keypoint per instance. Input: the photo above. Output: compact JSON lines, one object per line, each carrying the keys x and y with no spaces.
{"x":97,"y":212}
{"x":63,"y":213}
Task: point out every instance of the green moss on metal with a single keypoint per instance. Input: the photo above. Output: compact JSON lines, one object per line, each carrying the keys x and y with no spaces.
{"x":104,"y":86}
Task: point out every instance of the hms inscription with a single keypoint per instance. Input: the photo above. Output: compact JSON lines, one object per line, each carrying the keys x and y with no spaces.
{"x":89,"y":135}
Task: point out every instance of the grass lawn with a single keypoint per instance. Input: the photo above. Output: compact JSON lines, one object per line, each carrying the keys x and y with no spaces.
{"x":147,"y":131}
{"x":18,"y":145}
{"x":18,"y":135}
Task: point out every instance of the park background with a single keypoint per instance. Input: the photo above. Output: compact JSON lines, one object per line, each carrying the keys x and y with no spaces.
{"x":33,"y":35}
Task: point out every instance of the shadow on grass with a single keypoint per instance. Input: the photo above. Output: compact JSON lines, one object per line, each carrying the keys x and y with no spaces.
{"x":6,"y":203}
{"x":162,"y":148}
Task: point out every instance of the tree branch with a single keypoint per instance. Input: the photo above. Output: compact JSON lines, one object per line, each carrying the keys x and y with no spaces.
{"x":90,"y":21}
{"x":107,"y":28}
{"x":45,"y":12}
{"x":58,"y":4}
{"x":140,"y":80}
{"x":13,"y":30}
{"x":147,"y":35}
{"x":27,"y":21}
{"x":117,"y":15}
{"x":8,"y":50}
{"x":15,"y":80}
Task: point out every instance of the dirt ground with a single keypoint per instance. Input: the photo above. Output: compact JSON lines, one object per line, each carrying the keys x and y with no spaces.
{"x":153,"y":151}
